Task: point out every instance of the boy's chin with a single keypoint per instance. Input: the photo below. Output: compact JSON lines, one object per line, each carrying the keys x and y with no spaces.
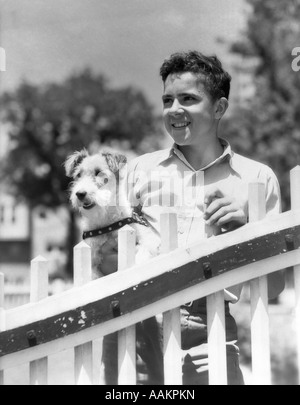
{"x":180,"y":138}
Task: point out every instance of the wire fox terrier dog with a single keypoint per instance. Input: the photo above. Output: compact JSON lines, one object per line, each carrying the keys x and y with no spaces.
{"x":99,"y":192}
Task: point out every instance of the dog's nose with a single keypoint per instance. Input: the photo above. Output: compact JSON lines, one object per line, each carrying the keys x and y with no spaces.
{"x":81,"y":195}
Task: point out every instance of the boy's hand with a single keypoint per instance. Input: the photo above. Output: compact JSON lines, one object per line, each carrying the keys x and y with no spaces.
{"x":223,"y":210}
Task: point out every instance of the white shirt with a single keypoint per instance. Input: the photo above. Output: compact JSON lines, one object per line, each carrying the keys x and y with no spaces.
{"x":164,"y":180}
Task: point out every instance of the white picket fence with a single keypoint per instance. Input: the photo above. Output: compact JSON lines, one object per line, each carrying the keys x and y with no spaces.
{"x":60,"y":309}
{"x":17,"y":294}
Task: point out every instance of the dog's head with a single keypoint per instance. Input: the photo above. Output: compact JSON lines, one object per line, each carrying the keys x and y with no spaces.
{"x":95,"y":178}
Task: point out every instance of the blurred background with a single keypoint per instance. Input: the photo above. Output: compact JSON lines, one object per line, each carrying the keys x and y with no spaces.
{"x":86,"y":74}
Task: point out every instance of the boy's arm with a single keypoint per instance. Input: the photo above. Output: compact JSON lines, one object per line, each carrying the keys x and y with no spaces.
{"x":226,"y":212}
{"x":276,"y":281}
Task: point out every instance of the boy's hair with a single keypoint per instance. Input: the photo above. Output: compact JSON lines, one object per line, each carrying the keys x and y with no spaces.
{"x":216,"y":79}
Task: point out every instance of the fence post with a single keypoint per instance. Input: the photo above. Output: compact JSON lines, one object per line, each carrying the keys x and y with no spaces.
{"x":216,"y":339}
{"x":127,"y":336}
{"x":83,"y":354}
{"x":295,"y":205}
{"x":216,"y":334}
{"x":260,"y":334}
{"x":171,"y":319}
{"x":2,"y":318}
{"x":38,"y":370}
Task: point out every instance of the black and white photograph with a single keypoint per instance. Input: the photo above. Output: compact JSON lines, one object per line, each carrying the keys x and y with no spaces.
{"x":150,"y":195}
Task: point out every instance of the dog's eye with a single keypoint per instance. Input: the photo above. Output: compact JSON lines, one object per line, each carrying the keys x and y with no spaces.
{"x":97,"y":171}
{"x":105,"y":180}
{"x":78,"y":175}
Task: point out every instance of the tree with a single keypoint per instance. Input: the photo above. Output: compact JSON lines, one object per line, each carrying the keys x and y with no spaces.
{"x":267,"y":128}
{"x":51,"y":121}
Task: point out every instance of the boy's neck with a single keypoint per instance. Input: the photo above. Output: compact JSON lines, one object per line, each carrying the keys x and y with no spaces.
{"x":200,"y":156}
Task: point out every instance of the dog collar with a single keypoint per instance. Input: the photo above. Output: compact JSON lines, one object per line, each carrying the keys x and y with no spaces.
{"x":115,"y":226}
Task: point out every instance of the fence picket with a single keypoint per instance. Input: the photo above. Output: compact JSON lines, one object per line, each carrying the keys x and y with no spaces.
{"x":39,"y":315}
{"x":171,"y":319}
{"x":127,"y":336}
{"x":297,"y":313}
{"x":216,"y":339}
{"x":295,"y":204}
{"x":38,"y":370}
{"x":260,"y":335}
{"x":83,"y":354}
{"x":216,"y":335}
{"x":2,"y":317}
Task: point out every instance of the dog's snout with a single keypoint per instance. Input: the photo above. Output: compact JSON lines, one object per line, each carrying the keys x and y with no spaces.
{"x":81,"y":195}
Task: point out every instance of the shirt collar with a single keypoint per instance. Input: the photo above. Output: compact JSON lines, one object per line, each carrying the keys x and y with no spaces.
{"x":227,"y":154}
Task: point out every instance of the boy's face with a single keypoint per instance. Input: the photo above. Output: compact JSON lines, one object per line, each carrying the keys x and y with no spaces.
{"x":189,"y":113}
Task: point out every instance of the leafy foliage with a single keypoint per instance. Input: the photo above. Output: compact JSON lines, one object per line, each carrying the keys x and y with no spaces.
{"x":49,"y":122}
{"x":267,"y":127}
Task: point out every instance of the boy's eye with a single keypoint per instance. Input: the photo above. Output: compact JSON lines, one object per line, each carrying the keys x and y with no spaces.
{"x":188,"y":98}
{"x":167,"y":101}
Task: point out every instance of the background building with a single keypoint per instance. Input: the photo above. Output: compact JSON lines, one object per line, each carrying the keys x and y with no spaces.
{"x":26,"y":234}
{"x":15,"y":238}
{"x":15,"y":227}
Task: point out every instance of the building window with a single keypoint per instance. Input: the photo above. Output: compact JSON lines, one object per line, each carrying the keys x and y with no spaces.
{"x":13,"y":214}
{"x":1,"y":213}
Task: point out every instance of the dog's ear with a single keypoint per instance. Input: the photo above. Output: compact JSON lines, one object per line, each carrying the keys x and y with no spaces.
{"x":74,"y":160}
{"x":115,"y":161}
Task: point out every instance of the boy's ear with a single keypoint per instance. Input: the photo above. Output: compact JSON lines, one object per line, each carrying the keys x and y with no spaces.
{"x":221,"y":107}
{"x":74,"y":160}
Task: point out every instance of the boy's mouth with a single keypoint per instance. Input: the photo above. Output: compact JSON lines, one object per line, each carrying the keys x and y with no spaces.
{"x":179,"y":125}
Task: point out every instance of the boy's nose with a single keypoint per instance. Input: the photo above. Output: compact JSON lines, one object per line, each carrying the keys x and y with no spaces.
{"x":81,"y":195}
{"x":176,"y":108}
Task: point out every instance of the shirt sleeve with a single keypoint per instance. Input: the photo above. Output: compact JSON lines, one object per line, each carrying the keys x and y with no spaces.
{"x":273,"y":194}
{"x":273,"y":207}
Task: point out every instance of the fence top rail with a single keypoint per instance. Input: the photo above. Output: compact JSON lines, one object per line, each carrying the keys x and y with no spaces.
{"x":123,"y":293}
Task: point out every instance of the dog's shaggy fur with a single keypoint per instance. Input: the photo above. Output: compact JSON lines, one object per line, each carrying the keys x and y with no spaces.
{"x":99,"y":192}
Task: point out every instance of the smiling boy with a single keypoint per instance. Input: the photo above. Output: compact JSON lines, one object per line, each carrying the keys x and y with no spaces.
{"x":195,"y":98}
